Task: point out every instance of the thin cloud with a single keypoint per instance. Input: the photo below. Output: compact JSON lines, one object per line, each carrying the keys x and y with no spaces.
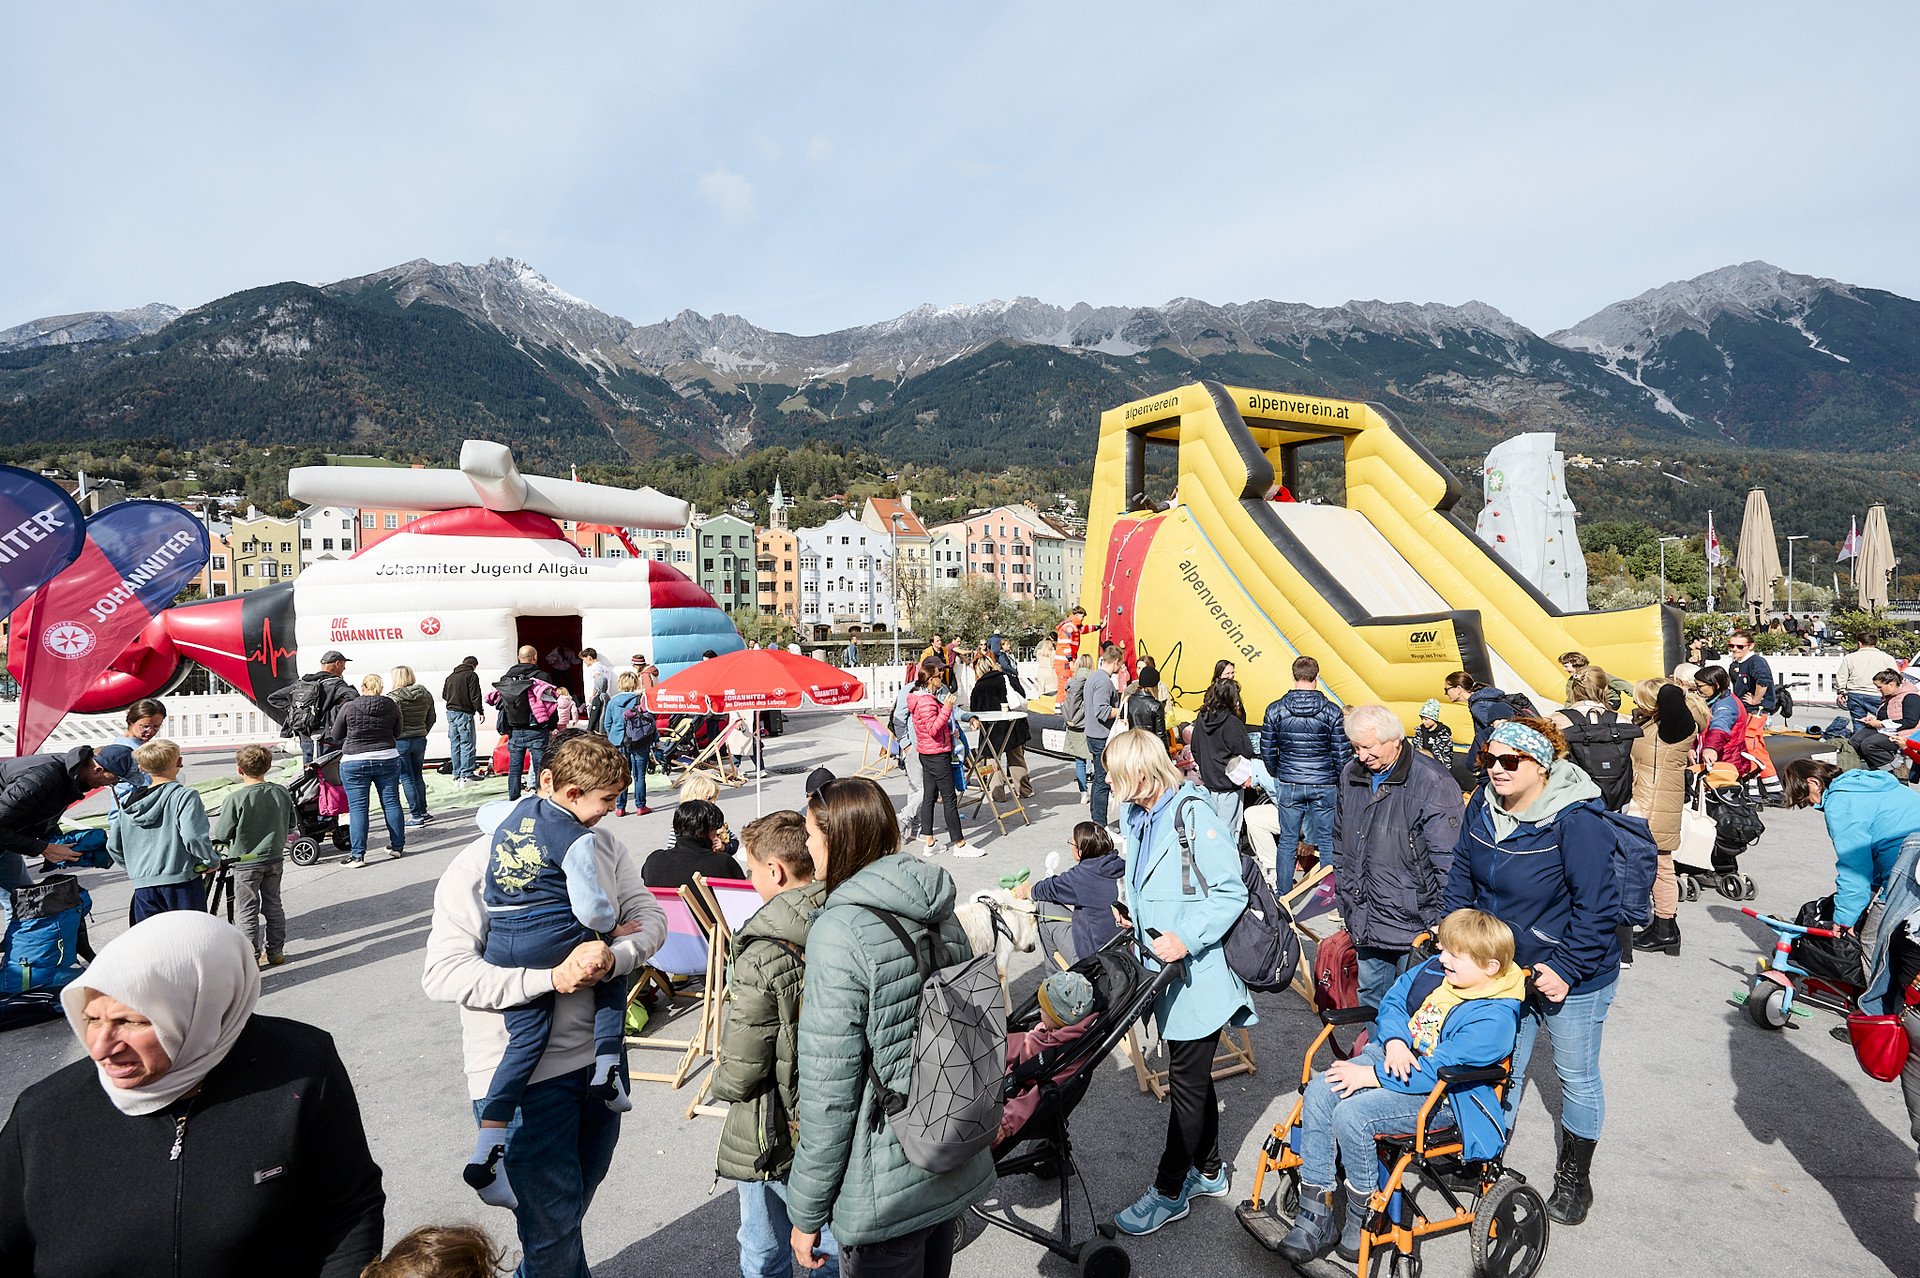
{"x":730,"y":194}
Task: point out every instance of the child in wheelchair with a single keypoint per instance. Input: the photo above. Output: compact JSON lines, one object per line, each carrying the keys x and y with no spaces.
{"x":1460,"y":1008}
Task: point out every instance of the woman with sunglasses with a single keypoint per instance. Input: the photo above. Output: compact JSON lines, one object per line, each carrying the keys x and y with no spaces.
{"x":1536,"y":852}
{"x":1727,"y":722}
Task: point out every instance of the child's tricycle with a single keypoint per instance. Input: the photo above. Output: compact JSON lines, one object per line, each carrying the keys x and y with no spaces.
{"x":1781,"y":982}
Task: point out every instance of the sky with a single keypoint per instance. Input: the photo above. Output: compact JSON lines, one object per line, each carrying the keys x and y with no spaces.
{"x":817,"y":167}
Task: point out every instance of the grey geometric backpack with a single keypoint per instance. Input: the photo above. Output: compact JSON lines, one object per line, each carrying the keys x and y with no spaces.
{"x":955,"y":1092}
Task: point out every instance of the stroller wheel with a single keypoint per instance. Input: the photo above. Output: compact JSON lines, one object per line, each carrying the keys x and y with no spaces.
{"x":1729,"y":886}
{"x":1510,"y":1231}
{"x":1690,"y":888}
{"x":303,"y":851}
{"x":1105,"y":1260}
{"x":1746,"y":882}
{"x":1046,"y":1171}
{"x":1767,"y":1003}
{"x":342,"y":838}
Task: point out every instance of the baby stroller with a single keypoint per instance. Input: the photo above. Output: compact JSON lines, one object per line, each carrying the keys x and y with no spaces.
{"x":1123,"y":992}
{"x":309,"y":827}
{"x":1507,"y":1216}
{"x":1737,"y":827}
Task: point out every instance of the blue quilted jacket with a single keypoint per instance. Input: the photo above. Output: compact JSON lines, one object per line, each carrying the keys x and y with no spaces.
{"x":1304,"y":740}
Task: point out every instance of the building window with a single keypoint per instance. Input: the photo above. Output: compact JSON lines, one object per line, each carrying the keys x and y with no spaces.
{"x":616,"y":553}
{"x":366,"y":521}
{"x":246,"y":570}
{"x":707,"y":541}
{"x":812,"y":610}
{"x":786,"y":565}
{"x":706,"y":565}
{"x":392,"y":521}
{"x":219,"y":563}
{"x":726,"y":541}
{"x":219,"y":589}
{"x":829,"y":561}
{"x":809,"y":563}
{"x":660,"y":554}
{"x":413,"y":518}
{"x":682,"y":556}
{"x":346,"y":543}
{"x":306,"y":543}
{"x":726,"y":587}
{"x":846,"y":541}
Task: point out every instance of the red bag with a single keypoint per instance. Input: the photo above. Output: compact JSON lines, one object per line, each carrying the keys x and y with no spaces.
{"x":1879,"y":1044}
{"x":331,"y":798}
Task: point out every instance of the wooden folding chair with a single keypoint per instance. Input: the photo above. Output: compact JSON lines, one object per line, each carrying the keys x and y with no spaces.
{"x":689,"y":951}
{"x":987,"y":768}
{"x":878,"y":735}
{"x":722,"y":906}
{"x":1232,"y":1058}
{"x":1316,"y":929}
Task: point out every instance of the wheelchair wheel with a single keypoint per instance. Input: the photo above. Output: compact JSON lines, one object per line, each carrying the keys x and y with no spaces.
{"x":1406,"y":1265}
{"x":1510,"y":1231}
{"x":1105,"y":1260}
{"x":303,"y":851}
{"x":1767,"y":1003}
{"x":1289,"y":1204}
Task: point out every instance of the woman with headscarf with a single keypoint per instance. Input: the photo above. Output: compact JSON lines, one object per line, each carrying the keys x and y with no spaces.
{"x":198,"y":1138}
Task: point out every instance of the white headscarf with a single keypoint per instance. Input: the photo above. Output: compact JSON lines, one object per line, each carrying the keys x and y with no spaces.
{"x":193,"y":976}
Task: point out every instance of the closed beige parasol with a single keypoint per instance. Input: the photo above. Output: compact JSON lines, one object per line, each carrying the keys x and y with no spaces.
{"x":1875,"y":564}
{"x":1759,"y":558}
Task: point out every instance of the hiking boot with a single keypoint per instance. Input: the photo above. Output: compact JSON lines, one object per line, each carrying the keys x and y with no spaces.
{"x":1314,"y":1230}
{"x":1151,"y":1213}
{"x":1572,"y":1188}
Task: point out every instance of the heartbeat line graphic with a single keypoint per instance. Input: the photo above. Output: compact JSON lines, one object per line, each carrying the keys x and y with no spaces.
{"x":267,"y":654}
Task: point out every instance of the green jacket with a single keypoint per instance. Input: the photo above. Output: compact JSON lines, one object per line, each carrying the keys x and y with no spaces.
{"x":417,"y":715}
{"x":254,"y":822}
{"x":863,"y":989}
{"x":758,"y":1068}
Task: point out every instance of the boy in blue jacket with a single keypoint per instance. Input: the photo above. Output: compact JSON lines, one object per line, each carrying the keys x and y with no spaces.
{"x":1461,"y":1007}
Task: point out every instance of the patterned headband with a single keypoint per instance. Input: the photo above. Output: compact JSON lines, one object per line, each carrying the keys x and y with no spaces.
{"x":1529,"y":741}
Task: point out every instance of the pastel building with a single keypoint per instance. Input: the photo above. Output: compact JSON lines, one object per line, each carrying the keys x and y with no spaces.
{"x":845,"y":576}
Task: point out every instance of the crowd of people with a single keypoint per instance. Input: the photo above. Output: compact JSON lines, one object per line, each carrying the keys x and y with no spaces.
{"x":1488,"y":895}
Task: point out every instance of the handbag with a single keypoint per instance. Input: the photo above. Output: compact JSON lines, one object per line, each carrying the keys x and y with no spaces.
{"x":1879,"y":1044}
{"x":1697,"y":832}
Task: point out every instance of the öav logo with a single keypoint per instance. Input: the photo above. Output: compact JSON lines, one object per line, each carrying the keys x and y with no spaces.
{"x":69,"y":639}
{"x":1424,"y":636}
{"x":429,"y":625}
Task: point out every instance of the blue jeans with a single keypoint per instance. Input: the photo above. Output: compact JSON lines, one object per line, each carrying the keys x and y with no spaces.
{"x":1097,"y":776}
{"x":1296,"y":803}
{"x":637,"y":764}
{"x":1378,"y":971}
{"x":358,"y":777}
{"x":1859,"y":706}
{"x":1231,"y":805}
{"x":766,"y":1246}
{"x":521,"y":741}
{"x":460,"y":741}
{"x":543,"y":938}
{"x":413,"y":761}
{"x":1574,"y":1026}
{"x":1080,"y":774}
{"x":559,"y":1145}
{"x":1328,"y":1123}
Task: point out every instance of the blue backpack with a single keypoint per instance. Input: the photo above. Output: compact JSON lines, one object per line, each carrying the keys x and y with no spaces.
{"x":1635,"y":860}
{"x":44,"y":939}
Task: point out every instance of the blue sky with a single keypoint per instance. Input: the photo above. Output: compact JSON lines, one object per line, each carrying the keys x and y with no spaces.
{"x":812,"y":167}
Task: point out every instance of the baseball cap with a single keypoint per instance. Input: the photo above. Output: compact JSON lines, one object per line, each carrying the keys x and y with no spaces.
{"x":332,"y":655}
{"x":117,"y":759}
{"x":817,"y":778}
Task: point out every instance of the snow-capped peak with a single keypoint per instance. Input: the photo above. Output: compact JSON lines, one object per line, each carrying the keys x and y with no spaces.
{"x":1743,"y":292}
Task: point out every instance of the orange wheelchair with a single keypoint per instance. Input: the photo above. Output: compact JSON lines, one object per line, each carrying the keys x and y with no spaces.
{"x":1506,"y":1216}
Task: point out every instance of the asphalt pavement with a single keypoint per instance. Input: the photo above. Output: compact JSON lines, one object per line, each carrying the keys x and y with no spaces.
{"x":1727,"y":1150}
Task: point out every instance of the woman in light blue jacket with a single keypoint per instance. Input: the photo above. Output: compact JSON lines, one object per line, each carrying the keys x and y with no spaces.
{"x":1181,"y":908}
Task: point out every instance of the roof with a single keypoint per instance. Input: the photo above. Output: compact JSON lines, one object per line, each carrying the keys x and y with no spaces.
{"x":887,"y":507}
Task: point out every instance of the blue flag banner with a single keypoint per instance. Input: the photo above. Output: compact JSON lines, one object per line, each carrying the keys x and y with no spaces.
{"x":41,"y":532}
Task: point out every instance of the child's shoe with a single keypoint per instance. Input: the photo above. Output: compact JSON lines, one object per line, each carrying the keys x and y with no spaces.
{"x":485,"y":1174}
{"x":608,"y":1086}
{"x":1314,"y":1230}
{"x":1151,"y":1213}
{"x":1359,"y":1207}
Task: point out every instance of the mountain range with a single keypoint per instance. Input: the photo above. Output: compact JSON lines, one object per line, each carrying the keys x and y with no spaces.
{"x":416,"y":357}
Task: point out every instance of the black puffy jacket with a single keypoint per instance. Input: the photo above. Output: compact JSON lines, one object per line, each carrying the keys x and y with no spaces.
{"x":34,"y":792}
{"x":1303,"y":740}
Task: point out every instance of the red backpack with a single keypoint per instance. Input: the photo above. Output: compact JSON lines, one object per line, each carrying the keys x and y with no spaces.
{"x":1336,"y":980}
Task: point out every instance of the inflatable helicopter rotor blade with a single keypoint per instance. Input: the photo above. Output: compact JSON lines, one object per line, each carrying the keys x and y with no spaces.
{"x":487,"y":477}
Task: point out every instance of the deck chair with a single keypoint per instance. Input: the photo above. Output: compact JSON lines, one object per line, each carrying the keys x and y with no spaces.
{"x":880,"y":737}
{"x":713,"y":761}
{"x":688,"y":952}
{"x":722,"y":907}
{"x":1310,"y":922}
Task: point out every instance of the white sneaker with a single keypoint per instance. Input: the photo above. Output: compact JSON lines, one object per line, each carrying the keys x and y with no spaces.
{"x":927,"y":850}
{"x":967,"y":851}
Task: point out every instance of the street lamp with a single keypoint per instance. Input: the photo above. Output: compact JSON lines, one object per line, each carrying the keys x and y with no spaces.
{"x":1663,"y":565}
{"x":1790,"y":541}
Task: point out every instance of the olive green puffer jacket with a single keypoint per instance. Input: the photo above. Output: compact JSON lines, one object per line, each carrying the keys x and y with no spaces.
{"x":758,"y":1066}
{"x":862,"y":990}
{"x":417,"y":715}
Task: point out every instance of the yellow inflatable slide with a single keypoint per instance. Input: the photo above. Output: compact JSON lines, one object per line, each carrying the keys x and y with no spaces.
{"x":1390,"y":592}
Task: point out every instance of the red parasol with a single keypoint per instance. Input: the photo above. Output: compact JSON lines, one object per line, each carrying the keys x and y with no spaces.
{"x":754,"y":679}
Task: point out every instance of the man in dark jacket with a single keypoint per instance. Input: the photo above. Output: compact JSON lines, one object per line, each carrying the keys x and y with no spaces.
{"x":1304,"y":745}
{"x":527,"y":733}
{"x":312,"y":704}
{"x":461,"y":693}
{"x":36,"y":790}
{"x":1395,"y":827}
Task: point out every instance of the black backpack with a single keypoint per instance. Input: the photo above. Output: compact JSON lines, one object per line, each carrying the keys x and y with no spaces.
{"x":516,"y":703}
{"x":1603,"y":747}
{"x":1261,"y":946}
{"x":1831,"y":958}
{"x":303,"y":709}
